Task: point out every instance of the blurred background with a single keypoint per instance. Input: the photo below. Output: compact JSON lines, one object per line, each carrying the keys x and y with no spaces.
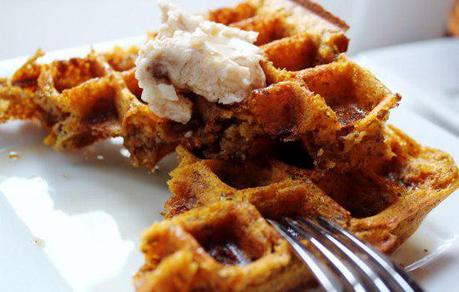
{"x":382,"y":23}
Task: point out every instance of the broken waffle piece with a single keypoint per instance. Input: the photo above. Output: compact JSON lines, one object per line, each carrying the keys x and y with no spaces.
{"x":221,"y":247}
{"x":209,"y":196}
{"x":383,"y":208}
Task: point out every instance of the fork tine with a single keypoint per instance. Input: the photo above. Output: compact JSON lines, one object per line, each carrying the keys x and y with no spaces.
{"x":369,"y":276}
{"x":324,"y":275}
{"x":338,"y":264}
{"x":388,"y":268}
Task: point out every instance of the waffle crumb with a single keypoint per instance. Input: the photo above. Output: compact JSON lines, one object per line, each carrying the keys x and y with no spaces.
{"x":38,"y":242}
{"x":13,"y":155}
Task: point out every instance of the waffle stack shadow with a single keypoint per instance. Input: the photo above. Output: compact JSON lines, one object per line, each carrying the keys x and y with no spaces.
{"x":313,"y":142}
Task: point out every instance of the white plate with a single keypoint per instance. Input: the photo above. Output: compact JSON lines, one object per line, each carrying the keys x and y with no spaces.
{"x":73,"y":221}
{"x":426,"y":73}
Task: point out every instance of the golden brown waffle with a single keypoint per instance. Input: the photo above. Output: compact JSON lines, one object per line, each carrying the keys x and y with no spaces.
{"x":83,"y":100}
{"x":221,"y":247}
{"x":311,"y":35}
{"x":373,"y":205}
{"x":335,"y":107}
{"x":302,"y":26}
{"x":213,"y":239}
{"x":78,"y":100}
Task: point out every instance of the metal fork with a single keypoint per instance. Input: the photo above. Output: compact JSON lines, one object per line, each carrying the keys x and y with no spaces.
{"x":339,"y":260}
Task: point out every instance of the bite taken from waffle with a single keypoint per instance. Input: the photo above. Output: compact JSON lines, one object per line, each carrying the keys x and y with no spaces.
{"x":309,"y":138}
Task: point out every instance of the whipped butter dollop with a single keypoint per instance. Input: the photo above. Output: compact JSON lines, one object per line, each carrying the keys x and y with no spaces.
{"x":189,"y":53}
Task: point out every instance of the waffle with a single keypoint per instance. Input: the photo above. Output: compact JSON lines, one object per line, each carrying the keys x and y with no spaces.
{"x":313,"y":142}
{"x":214,"y":240}
{"x":224,"y":246}
{"x":78,"y":100}
{"x":317,"y":39}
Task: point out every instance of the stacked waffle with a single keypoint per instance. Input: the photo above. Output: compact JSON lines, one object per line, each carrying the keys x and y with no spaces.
{"x":313,"y":142}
